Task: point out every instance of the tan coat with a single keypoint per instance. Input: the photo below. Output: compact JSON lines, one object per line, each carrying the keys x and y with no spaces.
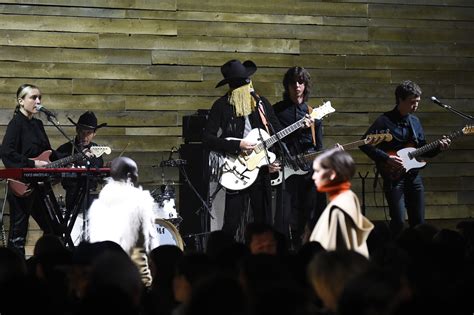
{"x":342,"y":225}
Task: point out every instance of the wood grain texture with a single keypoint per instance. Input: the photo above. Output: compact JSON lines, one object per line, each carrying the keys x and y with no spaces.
{"x":141,"y":65}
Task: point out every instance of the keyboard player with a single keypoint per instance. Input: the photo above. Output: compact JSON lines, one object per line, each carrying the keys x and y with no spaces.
{"x":86,"y":130}
{"x":25,"y":138}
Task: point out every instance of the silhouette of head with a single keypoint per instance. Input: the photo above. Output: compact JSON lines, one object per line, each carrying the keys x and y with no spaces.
{"x":124,"y":169}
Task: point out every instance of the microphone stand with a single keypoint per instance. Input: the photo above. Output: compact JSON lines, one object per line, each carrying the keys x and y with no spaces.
{"x":283,"y":149}
{"x":455,"y":111}
{"x":85,"y":202}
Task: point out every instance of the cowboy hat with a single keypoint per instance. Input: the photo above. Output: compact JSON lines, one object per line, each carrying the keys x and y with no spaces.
{"x":236,"y":73}
{"x":87,"y":121}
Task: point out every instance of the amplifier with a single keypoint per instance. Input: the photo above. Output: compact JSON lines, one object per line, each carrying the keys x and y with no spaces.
{"x":193,"y":126}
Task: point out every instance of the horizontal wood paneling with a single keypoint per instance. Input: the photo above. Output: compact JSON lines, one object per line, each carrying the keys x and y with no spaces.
{"x":422,"y":12}
{"x":48,"y":39}
{"x":283,"y":7}
{"x":73,"y":56}
{"x":94,"y":71}
{"x":127,"y":4}
{"x":88,"y":25}
{"x":141,"y":65}
{"x":240,"y":44}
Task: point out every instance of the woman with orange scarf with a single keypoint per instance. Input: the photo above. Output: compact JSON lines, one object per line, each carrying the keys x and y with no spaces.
{"x":341,"y":225}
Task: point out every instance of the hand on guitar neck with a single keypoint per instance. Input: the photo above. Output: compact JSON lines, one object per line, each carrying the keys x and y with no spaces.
{"x":444,"y":143}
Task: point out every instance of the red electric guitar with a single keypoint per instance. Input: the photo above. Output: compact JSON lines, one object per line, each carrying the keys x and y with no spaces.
{"x":21,"y":189}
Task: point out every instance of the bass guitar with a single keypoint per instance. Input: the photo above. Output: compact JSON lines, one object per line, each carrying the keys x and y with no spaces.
{"x":21,"y":189}
{"x":291,"y":170}
{"x":410,"y":156}
{"x":239,"y":172}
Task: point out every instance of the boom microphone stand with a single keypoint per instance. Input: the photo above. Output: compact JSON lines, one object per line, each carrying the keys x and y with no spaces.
{"x":451,"y":109}
{"x":69,"y":218}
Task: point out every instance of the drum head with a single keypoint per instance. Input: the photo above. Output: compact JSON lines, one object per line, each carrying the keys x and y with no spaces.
{"x":165,"y":208}
{"x":168,"y":234}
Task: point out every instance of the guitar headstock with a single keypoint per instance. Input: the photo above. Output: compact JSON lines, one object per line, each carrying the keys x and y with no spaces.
{"x":376,"y":138}
{"x":322,"y":111}
{"x":99,"y":150}
{"x":468,"y":130}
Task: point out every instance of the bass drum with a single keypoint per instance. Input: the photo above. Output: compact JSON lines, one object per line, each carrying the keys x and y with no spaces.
{"x":168,"y":233}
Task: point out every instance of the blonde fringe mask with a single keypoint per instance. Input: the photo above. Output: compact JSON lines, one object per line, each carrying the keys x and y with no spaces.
{"x":242,"y":100}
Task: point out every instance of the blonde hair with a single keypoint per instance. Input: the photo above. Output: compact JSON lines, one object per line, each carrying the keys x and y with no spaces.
{"x":242,"y":100}
{"x":22,"y":91}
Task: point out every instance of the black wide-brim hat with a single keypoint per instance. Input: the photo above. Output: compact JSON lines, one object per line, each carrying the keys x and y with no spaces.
{"x":87,"y":121}
{"x":235,"y":72}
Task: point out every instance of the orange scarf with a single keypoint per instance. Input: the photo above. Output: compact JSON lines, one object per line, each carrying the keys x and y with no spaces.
{"x":333,"y":190}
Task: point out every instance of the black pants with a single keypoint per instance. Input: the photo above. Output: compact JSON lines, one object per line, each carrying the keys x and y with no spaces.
{"x":405,"y":193}
{"x":257,"y":198}
{"x":20,"y":210}
{"x":297,"y":206}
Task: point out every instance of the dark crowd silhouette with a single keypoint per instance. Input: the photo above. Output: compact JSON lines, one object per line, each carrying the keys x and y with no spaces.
{"x":424,"y":270}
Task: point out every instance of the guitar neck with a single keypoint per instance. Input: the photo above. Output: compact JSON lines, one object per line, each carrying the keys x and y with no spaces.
{"x":283,"y":133}
{"x":65,"y":161}
{"x":348,"y":146}
{"x":433,"y":145}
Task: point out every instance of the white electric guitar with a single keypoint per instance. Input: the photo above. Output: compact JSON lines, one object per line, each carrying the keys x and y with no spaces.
{"x":410,"y":155}
{"x":372,"y":139}
{"x":239,"y":172}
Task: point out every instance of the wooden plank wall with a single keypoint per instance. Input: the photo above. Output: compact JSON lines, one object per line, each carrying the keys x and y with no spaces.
{"x":143,"y":64}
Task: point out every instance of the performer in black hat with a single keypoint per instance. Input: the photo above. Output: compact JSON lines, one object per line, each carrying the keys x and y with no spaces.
{"x":86,"y":130}
{"x":234,"y":115}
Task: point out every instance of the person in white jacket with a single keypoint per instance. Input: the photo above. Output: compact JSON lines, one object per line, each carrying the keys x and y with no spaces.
{"x":341,"y":225}
{"x":123,"y":213}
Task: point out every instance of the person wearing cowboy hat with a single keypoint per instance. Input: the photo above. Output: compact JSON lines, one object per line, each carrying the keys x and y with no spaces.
{"x":86,"y":130}
{"x":234,"y":115}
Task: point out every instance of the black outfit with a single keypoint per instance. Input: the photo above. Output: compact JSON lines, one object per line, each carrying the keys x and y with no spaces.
{"x":74,"y":186}
{"x":222,"y":121}
{"x":299,"y":203}
{"x":24,"y":139}
{"x":408,"y":190}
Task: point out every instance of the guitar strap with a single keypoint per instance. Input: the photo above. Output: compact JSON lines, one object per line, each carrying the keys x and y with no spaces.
{"x":313,"y":128}
{"x":410,"y":122}
{"x":262,"y":116}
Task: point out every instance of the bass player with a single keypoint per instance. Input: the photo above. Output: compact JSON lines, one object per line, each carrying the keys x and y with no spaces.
{"x":403,"y":190}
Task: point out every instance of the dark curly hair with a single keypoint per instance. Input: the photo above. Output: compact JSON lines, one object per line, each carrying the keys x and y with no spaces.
{"x":297,"y":74}
{"x":406,"y":89}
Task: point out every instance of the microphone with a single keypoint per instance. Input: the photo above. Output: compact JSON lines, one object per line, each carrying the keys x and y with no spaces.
{"x":255,"y":96}
{"x":43,"y":109}
{"x":436,"y":101}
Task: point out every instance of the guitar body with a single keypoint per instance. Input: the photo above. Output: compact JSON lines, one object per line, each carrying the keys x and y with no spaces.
{"x":239,"y":172}
{"x":43,"y":156}
{"x":373,"y":139}
{"x":289,"y":171}
{"x":21,"y":189}
{"x":409,"y":163}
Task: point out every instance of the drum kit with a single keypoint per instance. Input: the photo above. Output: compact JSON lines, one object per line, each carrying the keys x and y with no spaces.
{"x":167,"y":218}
